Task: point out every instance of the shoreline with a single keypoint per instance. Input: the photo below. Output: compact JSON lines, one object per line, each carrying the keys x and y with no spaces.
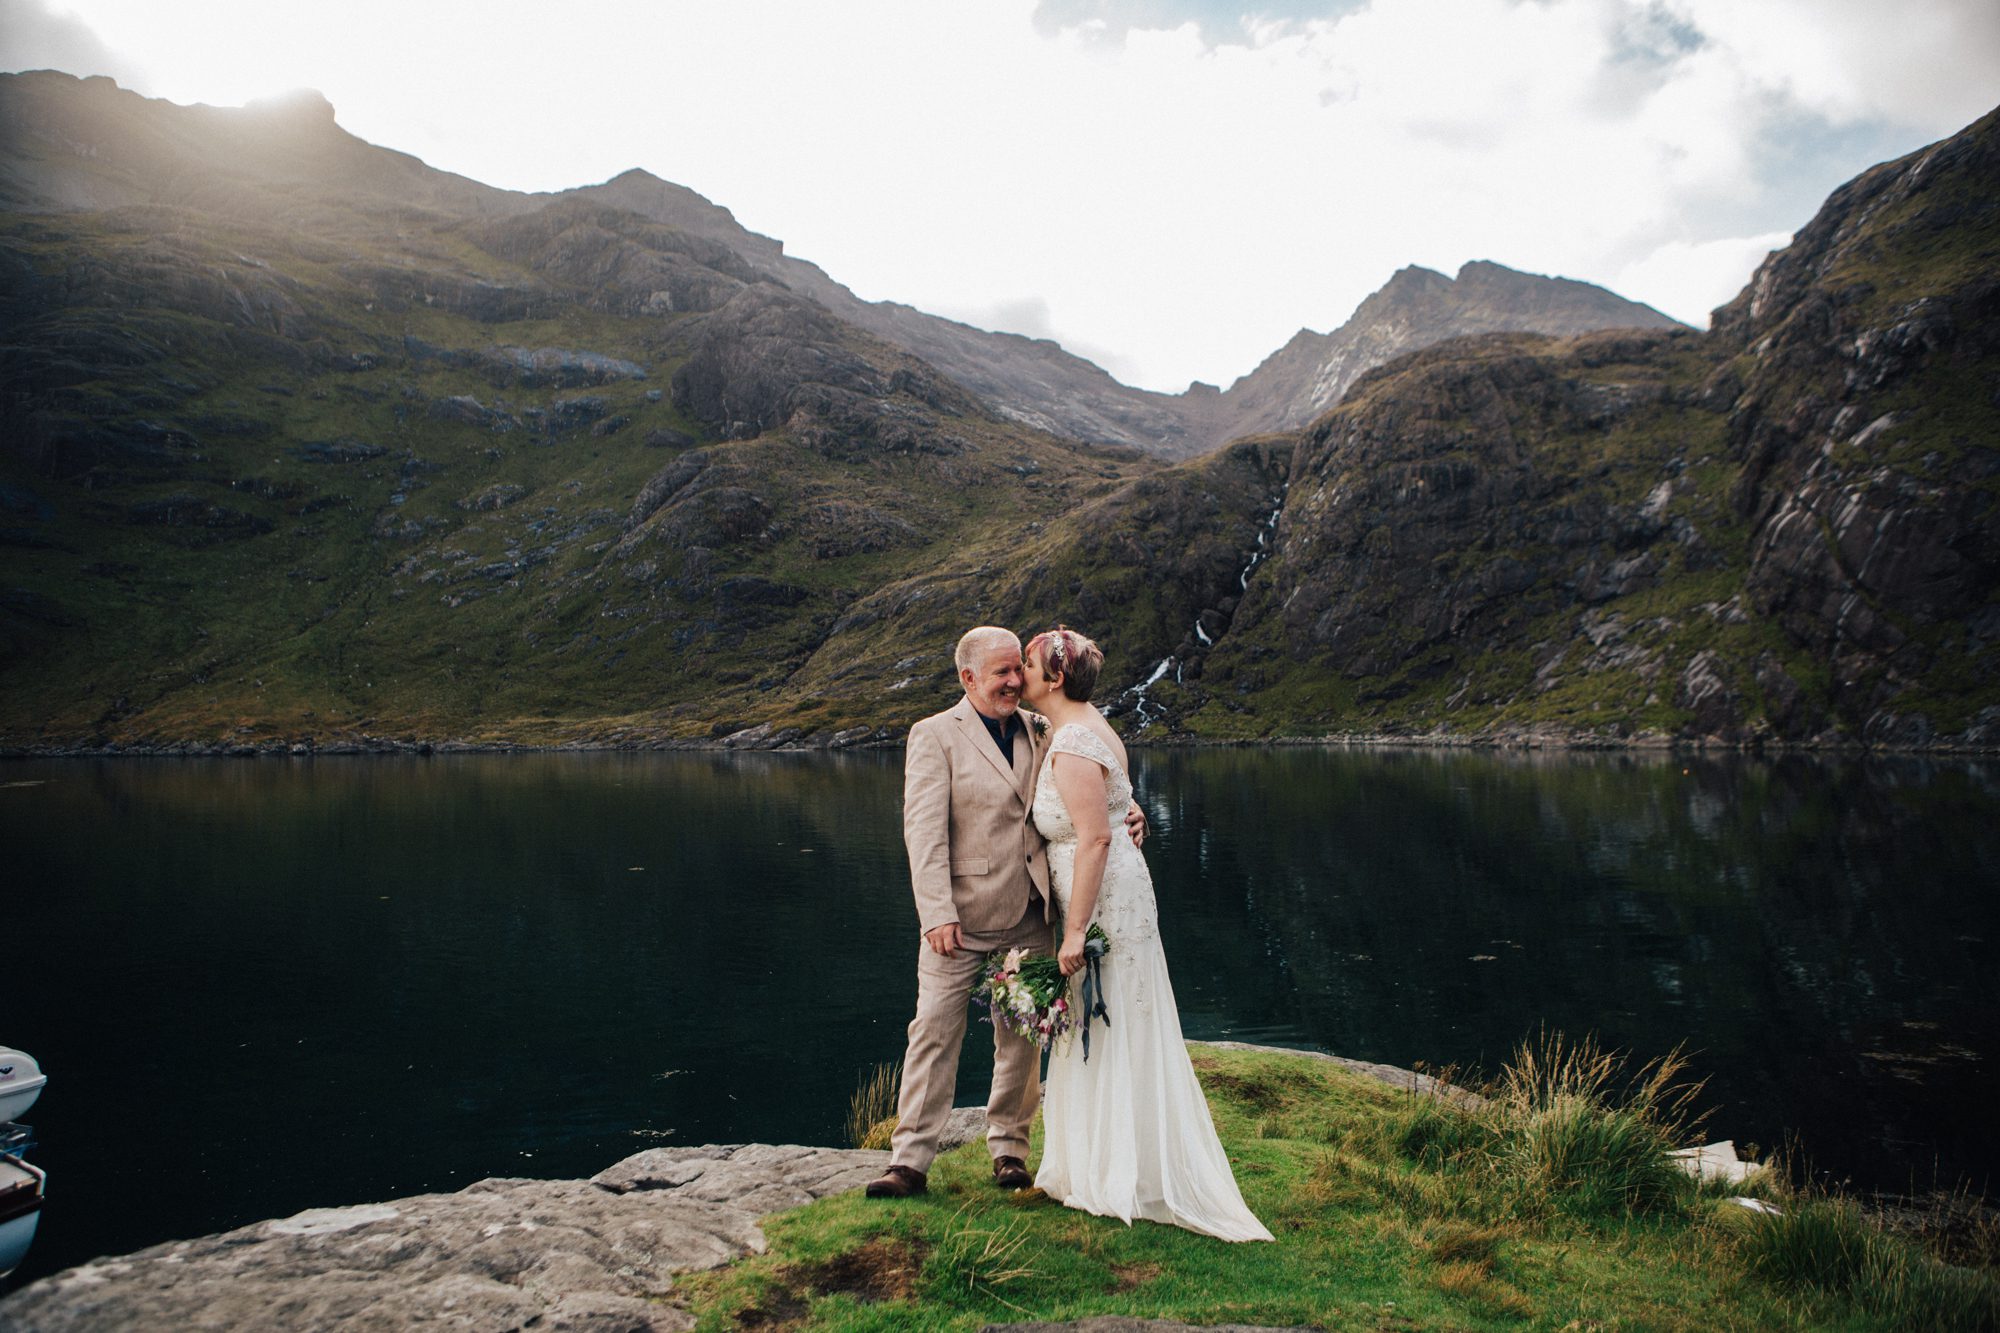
{"x":763,"y":740}
{"x":622,"y":1236}
{"x":607,"y":1250}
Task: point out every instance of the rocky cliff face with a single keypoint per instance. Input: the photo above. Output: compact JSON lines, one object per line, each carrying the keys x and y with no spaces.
{"x":1864,"y":416}
{"x":1463,"y":532}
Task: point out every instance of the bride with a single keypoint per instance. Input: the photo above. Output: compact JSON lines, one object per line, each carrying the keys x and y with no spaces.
{"x":1126,"y":1132}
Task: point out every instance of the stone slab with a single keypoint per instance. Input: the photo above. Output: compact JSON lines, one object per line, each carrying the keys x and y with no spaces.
{"x":557,"y":1255}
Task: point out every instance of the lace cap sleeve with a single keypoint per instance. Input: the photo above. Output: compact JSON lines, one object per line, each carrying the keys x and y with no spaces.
{"x":1077,"y":739}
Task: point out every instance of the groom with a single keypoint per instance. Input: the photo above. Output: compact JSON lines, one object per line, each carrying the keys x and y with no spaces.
{"x":981,"y":881}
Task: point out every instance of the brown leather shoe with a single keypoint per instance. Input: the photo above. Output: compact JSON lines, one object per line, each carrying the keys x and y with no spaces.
{"x":1011,"y":1173}
{"x":898,"y":1182}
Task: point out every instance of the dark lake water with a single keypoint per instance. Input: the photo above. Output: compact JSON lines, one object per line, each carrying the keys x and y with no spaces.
{"x":260,"y":986}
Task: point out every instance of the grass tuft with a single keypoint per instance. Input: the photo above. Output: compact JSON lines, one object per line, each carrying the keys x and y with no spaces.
{"x":1434,"y":1131}
{"x":1460,"y":1242}
{"x":1592,"y":1159}
{"x":977,"y":1255}
{"x":871,"y":1112}
{"x":1571,"y":1140}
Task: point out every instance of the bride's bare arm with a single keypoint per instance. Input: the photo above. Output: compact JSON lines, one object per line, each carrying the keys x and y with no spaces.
{"x":1080,"y":783}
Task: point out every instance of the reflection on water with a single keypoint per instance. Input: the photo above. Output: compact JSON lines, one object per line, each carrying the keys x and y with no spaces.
{"x":263,"y":986}
{"x":1821,"y":934}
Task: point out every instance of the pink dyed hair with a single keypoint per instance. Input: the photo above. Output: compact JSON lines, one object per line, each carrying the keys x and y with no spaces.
{"x":1074,"y":655}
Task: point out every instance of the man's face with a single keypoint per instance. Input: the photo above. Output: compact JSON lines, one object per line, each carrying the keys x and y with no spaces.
{"x":993,"y":683}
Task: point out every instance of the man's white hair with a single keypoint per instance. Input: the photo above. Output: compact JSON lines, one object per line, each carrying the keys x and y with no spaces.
{"x":976,"y":643}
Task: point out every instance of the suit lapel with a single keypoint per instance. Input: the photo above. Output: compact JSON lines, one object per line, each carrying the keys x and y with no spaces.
{"x":1024,"y":759}
{"x":1034,"y":748}
{"x":982,"y":740}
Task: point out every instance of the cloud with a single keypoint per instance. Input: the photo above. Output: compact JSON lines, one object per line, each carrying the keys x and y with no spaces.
{"x":1219,"y":22}
{"x":1027,"y":316}
{"x":1688,"y":280}
{"x":35,"y":36}
{"x":1031,"y":317}
{"x":1924,"y":63}
{"x":1188,"y":182}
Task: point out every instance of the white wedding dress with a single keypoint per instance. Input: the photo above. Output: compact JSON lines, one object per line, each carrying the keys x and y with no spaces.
{"x":1127,"y":1133}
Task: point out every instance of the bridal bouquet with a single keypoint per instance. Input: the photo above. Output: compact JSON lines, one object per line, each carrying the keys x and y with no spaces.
{"x":1026,"y":992}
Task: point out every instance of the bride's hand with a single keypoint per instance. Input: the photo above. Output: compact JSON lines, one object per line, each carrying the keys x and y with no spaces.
{"x":1070,"y":956}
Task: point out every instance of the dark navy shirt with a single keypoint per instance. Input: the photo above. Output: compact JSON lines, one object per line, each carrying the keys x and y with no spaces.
{"x":1003,"y":733}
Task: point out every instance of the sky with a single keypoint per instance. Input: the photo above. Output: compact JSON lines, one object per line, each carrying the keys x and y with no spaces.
{"x":1171,"y":188}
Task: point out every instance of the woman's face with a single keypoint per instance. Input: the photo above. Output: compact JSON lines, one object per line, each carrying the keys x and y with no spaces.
{"x":1035,"y":690}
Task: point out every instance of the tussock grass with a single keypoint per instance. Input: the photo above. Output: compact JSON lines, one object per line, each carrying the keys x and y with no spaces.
{"x":871,"y":1112}
{"x":1829,"y":1247}
{"x":1543,"y":1205}
{"x":1582,"y":1135}
{"x":1564,"y":1130}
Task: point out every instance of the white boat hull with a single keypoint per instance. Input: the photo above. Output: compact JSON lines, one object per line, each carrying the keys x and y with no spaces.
{"x":20,"y":1210}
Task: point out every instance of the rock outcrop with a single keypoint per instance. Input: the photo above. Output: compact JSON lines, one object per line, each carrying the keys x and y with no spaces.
{"x":769,"y":359}
{"x":555,"y":1254}
{"x":597,"y":1255}
{"x":503,"y":1253}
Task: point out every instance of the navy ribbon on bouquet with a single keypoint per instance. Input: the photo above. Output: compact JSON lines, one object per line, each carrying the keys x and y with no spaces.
{"x":1093,"y":991}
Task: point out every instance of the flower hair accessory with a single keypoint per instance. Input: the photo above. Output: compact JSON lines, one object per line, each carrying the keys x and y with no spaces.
{"x":1056,"y":650}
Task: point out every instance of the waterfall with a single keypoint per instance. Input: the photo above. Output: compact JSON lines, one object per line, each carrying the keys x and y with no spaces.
{"x":1144,"y":707}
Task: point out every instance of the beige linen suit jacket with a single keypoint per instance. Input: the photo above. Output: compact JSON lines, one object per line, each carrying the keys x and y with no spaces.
{"x":974,"y":851}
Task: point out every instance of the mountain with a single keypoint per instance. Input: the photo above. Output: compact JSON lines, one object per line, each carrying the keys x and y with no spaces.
{"x":1037,"y":383}
{"x":1786,"y":529}
{"x":305,"y":444}
{"x":142,"y":151}
{"x":1415,"y":309}
{"x":298,"y":447}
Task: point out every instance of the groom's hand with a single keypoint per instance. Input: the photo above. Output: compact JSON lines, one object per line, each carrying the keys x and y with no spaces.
{"x":1135,"y":824}
{"x":945,"y":939}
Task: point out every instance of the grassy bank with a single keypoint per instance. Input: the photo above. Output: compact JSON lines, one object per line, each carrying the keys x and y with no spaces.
{"x":1548,"y":1206}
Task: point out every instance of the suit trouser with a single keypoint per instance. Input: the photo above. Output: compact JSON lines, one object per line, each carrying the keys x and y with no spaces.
{"x":930,"y":1064}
